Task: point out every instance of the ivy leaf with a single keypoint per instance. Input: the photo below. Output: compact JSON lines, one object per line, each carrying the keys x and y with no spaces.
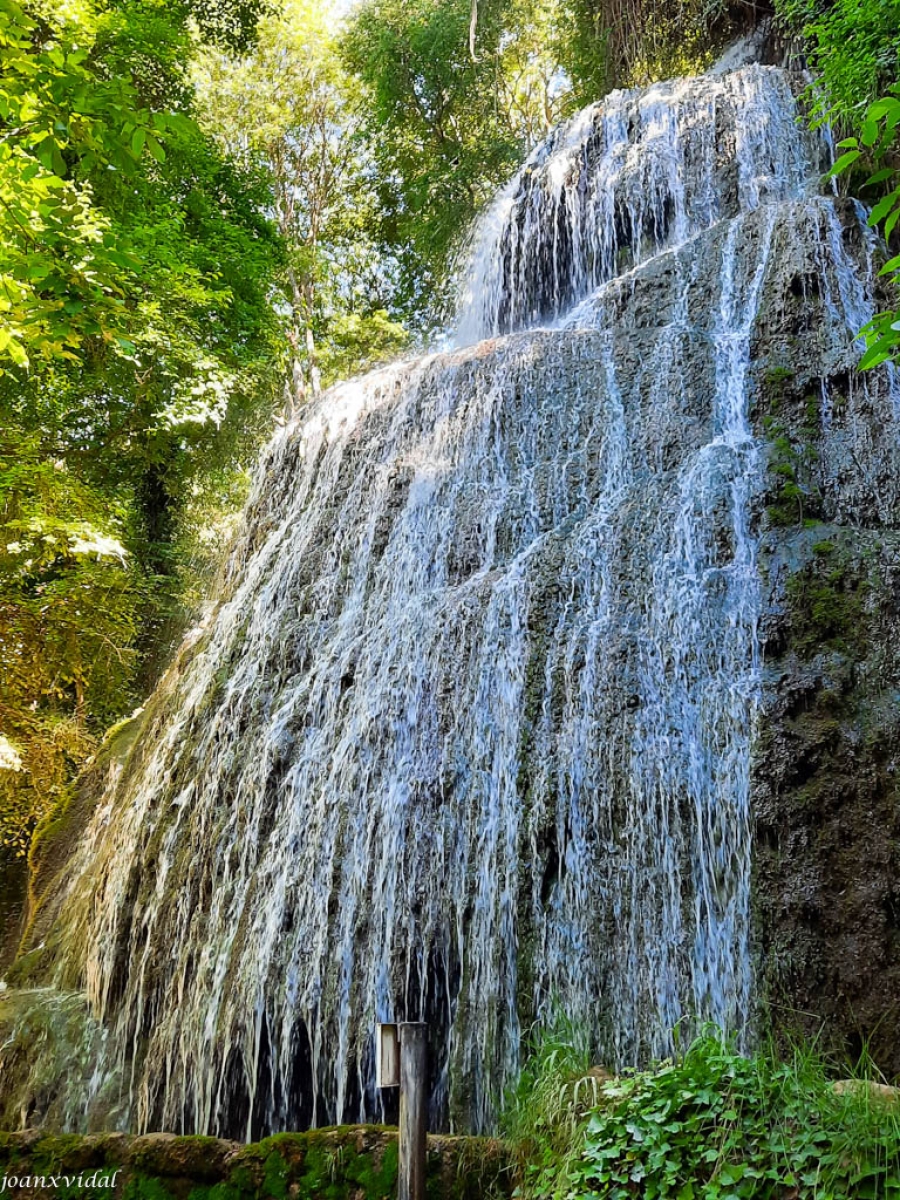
{"x":883,"y":108}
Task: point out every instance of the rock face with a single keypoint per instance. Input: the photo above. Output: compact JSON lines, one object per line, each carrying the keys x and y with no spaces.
{"x":555,"y":670}
{"x":826,"y":783}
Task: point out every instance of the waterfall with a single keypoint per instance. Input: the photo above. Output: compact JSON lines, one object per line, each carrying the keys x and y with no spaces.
{"x":466,"y":736}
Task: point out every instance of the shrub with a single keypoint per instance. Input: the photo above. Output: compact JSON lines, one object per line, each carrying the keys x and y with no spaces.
{"x":718,"y":1125}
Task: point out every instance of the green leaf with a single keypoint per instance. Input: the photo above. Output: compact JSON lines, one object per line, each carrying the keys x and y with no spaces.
{"x":880,"y":176}
{"x":17,"y":353}
{"x":845,"y":161}
{"x":137,"y":141}
{"x":869,"y":132}
{"x":882,"y":108}
{"x":883,"y":207}
{"x":57,"y":161}
{"x":155,"y":148}
{"x":875,"y":356}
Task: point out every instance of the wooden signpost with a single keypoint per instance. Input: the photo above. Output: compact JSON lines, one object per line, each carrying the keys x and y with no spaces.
{"x":407,"y":1070}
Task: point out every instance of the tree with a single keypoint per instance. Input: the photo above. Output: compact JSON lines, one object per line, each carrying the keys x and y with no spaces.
{"x":138,"y":359}
{"x":287,"y":107}
{"x":448,"y":116}
{"x":62,"y":276}
{"x":70,"y":599}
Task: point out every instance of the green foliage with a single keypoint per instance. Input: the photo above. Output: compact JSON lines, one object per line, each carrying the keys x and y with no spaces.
{"x":138,"y":353}
{"x":853,"y":47}
{"x":69,"y":603}
{"x":287,"y":108}
{"x":555,"y":1077}
{"x":448,"y":115}
{"x":879,"y":135}
{"x":622,"y":43}
{"x":543,"y":1113}
{"x":716,"y":1125}
{"x":62,"y":274}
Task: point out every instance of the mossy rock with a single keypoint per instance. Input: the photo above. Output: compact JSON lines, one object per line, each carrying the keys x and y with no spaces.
{"x":827,"y":602}
{"x":344,"y":1163}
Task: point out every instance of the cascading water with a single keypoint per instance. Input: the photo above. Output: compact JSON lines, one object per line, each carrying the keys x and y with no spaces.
{"x":468,"y":732}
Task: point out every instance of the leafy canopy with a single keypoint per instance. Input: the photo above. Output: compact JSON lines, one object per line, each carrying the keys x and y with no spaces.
{"x":288,"y":108}
{"x":448,"y":116}
{"x":137,"y":350}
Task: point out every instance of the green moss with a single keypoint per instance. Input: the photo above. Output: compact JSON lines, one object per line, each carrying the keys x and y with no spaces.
{"x":774,"y":392}
{"x":347,"y":1163}
{"x":240,"y":1180}
{"x":26,"y":968}
{"x":777,"y":375}
{"x":60,"y":1149}
{"x":792,"y":452}
{"x":275,"y":1176}
{"x":144,"y":1188}
{"x":221,"y":1191}
{"x":827,"y":608}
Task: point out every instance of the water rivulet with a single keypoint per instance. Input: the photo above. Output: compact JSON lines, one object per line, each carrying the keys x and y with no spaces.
{"x":468,"y":732}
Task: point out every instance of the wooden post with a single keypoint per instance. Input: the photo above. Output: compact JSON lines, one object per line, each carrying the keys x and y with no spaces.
{"x":413,"y":1109}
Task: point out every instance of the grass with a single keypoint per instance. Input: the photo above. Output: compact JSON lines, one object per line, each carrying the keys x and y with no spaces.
{"x":712,"y":1124}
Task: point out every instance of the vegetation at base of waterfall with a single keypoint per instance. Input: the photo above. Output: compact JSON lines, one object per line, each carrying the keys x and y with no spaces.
{"x":149,"y":275}
{"x":712,"y":1124}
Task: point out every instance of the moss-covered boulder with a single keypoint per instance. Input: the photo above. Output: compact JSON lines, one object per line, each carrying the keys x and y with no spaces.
{"x":346,"y":1163}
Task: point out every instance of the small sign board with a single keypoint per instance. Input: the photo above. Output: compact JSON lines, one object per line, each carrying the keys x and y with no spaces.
{"x":387,"y":1056}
